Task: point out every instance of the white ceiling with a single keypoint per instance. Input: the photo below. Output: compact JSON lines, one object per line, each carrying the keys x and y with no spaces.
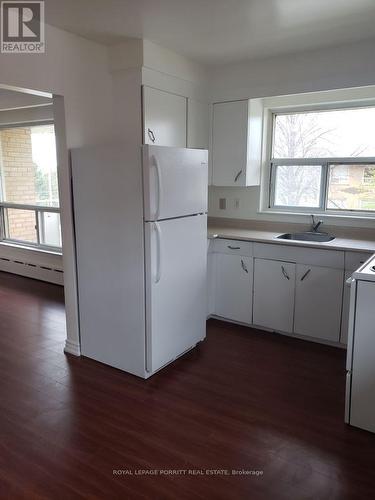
{"x":219,"y":31}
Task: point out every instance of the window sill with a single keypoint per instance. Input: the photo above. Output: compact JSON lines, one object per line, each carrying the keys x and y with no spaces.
{"x":30,"y":249}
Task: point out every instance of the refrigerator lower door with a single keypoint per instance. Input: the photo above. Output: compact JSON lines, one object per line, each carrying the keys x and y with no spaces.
{"x":176,"y":258}
{"x":174,"y":182}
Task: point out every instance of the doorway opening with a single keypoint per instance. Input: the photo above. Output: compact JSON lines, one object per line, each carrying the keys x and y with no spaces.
{"x":34,"y":208}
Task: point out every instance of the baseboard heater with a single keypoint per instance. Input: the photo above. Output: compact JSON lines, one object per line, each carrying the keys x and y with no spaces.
{"x":31,"y":270}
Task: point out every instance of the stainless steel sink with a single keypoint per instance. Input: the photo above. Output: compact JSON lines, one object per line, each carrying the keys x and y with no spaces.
{"x":307,"y":236}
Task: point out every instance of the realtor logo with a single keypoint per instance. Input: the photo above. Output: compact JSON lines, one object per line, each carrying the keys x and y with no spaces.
{"x":22,"y":27}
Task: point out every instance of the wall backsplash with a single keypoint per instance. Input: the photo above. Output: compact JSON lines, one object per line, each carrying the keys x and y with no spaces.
{"x":249,"y":208}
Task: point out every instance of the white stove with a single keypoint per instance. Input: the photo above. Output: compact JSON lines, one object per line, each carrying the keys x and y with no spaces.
{"x":366,"y":271}
{"x":360,"y":365}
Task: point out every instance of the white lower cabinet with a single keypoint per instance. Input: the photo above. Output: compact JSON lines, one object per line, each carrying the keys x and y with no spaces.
{"x":233,"y":287}
{"x":274,"y":283}
{"x":275,"y":287}
{"x":318,"y":302}
{"x":211,"y":278}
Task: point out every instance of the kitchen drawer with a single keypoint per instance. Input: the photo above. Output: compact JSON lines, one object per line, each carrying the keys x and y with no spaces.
{"x":300,"y":255}
{"x":353,"y":260}
{"x":233,"y":247}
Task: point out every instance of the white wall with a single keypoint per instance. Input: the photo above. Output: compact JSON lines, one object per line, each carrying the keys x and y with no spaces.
{"x":134,"y":63}
{"x":170,"y":63}
{"x":76,"y":69}
{"x":342,"y":67}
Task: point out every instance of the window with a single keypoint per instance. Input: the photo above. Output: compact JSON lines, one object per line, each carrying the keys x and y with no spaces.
{"x":323,"y":160}
{"x":29,"y":200}
{"x":368,"y":175}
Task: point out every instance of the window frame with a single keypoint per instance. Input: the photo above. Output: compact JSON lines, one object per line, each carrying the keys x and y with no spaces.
{"x":37,"y":209}
{"x":271,"y":163}
{"x":324,"y":184}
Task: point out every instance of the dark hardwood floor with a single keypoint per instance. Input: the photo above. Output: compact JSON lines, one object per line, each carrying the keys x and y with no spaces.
{"x":242,"y":400}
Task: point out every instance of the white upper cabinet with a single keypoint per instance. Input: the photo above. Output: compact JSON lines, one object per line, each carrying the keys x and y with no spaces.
{"x":164,"y":118}
{"x":274,"y":285}
{"x":318,"y":302}
{"x":198,"y":124}
{"x":237,"y":143}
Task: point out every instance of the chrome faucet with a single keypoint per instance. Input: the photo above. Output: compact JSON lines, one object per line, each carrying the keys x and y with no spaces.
{"x":315,"y":225}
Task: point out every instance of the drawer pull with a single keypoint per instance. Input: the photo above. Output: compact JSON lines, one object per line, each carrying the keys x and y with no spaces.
{"x":234,"y":248}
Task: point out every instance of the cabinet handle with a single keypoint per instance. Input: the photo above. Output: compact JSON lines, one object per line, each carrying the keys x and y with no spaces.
{"x":244,"y":267}
{"x":151,"y":135}
{"x":285,"y":273}
{"x":238,"y":176}
{"x":305,"y":275}
{"x":234,"y":248}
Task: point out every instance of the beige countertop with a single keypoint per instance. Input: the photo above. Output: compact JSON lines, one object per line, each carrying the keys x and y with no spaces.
{"x":346,"y":238}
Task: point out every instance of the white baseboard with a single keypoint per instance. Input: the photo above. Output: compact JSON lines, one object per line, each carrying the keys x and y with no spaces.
{"x":28,"y":270}
{"x":72,"y":348}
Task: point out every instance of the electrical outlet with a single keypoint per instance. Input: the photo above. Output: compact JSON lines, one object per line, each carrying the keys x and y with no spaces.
{"x":222,"y":203}
{"x":236,"y":203}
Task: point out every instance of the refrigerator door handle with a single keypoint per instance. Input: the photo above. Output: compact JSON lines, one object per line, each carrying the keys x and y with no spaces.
{"x":159,"y":186}
{"x":158,"y":259}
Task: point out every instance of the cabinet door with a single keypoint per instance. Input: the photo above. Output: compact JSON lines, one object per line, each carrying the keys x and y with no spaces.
{"x":234,"y":276}
{"x":345,"y":309}
{"x":164,"y":118}
{"x":198,"y":126}
{"x":274,"y":285}
{"x":211,"y":277}
{"x":318,"y":302}
{"x":229,"y":143}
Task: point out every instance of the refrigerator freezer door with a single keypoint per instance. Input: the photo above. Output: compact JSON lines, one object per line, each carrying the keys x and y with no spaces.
{"x":176,"y":258}
{"x":174,"y":181}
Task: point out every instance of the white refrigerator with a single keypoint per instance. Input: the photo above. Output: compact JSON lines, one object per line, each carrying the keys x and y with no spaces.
{"x":141,"y":241}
